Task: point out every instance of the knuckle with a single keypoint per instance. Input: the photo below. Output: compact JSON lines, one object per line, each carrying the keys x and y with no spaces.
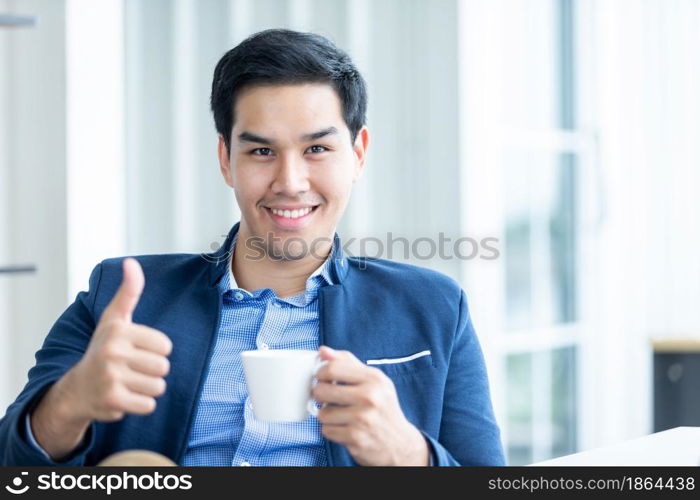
{"x":377,"y":375}
{"x":331,"y":370}
{"x":355,"y":436}
{"x":365,"y":419}
{"x":112,"y":401}
{"x":110,"y":375}
{"x":112,"y":416}
{"x":320,"y":391}
{"x":113,"y":328}
{"x":113,"y":351}
{"x":370,"y":398}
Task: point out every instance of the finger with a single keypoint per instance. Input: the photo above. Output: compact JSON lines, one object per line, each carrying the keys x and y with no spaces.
{"x":330,"y":393}
{"x":148,"y":363}
{"x":138,"y":404}
{"x":328,"y":353}
{"x":337,"y":415}
{"x":150,"y":339}
{"x":144,"y":384}
{"x":124,"y":301}
{"x":336,"y":433}
{"x":343,"y":370}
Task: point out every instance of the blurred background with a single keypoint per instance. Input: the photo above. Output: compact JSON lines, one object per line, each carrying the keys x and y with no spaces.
{"x":566,"y":129}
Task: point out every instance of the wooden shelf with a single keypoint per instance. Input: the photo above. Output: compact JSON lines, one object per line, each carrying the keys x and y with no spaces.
{"x":677,"y":344}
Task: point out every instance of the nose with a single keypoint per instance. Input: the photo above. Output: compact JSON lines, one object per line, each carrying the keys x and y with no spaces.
{"x":291,"y":176}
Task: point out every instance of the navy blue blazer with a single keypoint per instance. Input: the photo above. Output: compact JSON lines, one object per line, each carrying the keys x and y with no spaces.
{"x":376,"y":309}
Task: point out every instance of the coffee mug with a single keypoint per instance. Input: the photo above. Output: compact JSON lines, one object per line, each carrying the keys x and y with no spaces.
{"x":279,"y":383}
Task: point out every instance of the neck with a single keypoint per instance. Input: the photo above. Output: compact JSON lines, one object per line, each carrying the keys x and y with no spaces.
{"x":285,"y":277}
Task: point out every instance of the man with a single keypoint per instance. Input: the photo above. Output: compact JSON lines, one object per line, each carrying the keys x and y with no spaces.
{"x":158,"y":368}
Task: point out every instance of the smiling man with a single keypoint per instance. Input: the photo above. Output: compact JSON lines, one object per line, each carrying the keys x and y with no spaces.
{"x":149,"y":357}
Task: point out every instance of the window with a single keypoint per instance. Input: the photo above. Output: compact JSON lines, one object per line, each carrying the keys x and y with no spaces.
{"x":525,"y":163}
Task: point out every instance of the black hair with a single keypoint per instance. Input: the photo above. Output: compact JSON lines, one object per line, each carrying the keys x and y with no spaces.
{"x":284,"y":57}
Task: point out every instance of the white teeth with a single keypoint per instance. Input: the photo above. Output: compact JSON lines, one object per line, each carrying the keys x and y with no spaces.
{"x":292,"y":214}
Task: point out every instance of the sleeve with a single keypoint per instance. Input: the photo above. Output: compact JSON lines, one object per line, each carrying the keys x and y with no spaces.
{"x":469,"y":433}
{"x":65,"y":344}
{"x":31,"y":438}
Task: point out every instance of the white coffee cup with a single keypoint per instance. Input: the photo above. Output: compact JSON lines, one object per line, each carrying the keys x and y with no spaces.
{"x":279,"y":383}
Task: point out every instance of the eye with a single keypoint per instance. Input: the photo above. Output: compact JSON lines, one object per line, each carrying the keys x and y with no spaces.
{"x":317,"y":149}
{"x":261,"y":152}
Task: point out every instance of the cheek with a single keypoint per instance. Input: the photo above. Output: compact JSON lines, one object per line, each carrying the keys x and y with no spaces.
{"x":249,"y":185}
{"x":334,"y":182}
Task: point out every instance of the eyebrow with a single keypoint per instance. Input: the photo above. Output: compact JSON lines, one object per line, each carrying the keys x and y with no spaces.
{"x":321,"y":133}
{"x":244,"y":137}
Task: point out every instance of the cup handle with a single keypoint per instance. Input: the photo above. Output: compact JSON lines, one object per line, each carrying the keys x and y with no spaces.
{"x":311,"y":405}
{"x":319,"y":364}
{"x":312,"y":408}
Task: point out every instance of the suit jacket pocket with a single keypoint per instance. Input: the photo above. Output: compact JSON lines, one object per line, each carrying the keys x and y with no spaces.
{"x":404,"y":365}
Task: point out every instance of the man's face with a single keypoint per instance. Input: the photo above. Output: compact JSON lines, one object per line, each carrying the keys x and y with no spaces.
{"x":292,"y":165}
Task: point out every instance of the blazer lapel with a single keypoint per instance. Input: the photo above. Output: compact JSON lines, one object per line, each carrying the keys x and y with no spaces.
{"x":196,"y":319}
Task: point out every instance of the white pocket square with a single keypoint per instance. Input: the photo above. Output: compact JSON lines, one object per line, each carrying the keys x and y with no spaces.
{"x":393,"y":361}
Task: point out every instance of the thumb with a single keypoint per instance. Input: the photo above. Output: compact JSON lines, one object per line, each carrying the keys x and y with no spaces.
{"x":124,"y":301}
{"x":326,"y":353}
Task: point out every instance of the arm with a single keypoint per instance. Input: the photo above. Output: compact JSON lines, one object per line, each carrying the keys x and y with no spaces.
{"x":468,"y":429}
{"x":86,"y":373}
{"x":63,"y":347}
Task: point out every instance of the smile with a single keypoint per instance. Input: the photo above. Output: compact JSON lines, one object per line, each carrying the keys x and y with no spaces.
{"x":291,"y":217}
{"x":292,"y":214}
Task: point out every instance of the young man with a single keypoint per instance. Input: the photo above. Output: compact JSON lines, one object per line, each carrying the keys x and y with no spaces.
{"x":158,"y":368}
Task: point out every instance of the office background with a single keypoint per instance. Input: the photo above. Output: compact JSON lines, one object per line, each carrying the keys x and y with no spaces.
{"x":567,"y":129}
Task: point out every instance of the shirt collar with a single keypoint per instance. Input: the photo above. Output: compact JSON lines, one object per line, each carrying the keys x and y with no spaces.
{"x":228,"y":281}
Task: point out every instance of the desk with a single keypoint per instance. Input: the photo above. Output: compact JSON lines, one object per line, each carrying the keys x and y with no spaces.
{"x":679,"y":446}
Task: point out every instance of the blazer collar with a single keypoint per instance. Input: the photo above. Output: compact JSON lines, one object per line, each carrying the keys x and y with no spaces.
{"x":218,"y":260}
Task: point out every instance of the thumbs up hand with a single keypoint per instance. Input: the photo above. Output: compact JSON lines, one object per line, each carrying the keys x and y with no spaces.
{"x":123,"y":368}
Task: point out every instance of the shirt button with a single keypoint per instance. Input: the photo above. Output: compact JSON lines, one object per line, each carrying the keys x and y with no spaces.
{"x":250,"y":405}
{"x":277,"y":304}
{"x":264,"y":346}
{"x":239,"y":296}
{"x":245,"y":464}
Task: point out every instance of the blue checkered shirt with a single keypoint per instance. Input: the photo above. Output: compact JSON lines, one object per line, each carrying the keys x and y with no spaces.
{"x":224,"y":431}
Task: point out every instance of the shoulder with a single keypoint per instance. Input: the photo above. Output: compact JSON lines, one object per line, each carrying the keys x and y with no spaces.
{"x":401,"y":278}
{"x":158,"y":265}
{"x":163,"y":273}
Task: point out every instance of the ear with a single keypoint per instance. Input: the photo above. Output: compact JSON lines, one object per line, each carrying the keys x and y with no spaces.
{"x":224,"y":161}
{"x":360,"y":150}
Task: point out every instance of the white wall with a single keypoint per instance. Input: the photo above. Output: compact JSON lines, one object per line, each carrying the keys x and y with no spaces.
{"x":61,"y":165}
{"x":34,"y":189}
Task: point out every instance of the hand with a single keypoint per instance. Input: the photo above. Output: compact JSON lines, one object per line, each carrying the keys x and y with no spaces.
{"x":121,"y":372}
{"x":361,"y":411}
{"x":123,"y":368}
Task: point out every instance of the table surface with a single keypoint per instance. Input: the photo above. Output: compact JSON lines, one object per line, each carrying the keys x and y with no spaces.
{"x":679,"y":446}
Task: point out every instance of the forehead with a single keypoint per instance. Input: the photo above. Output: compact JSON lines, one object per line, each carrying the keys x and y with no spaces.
{"x":309,"y":106}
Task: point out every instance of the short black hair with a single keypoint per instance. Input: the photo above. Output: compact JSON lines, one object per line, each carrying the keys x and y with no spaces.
{"x":284,"y":57}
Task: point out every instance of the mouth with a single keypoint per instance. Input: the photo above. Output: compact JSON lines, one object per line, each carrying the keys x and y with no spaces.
{"x":291,"y":217}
